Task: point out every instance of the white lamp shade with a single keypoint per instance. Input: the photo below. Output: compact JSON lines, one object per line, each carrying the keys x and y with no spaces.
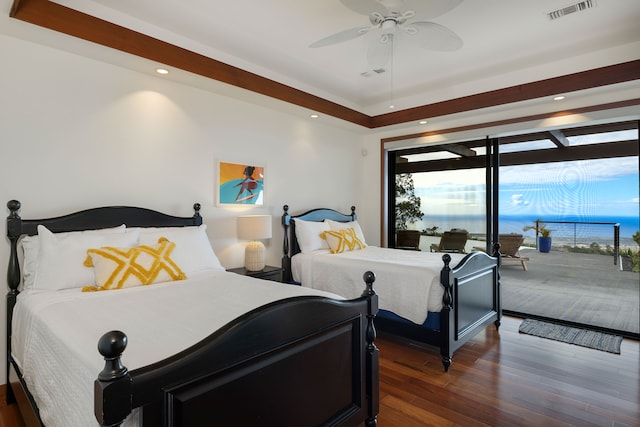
{"x":254,"y":227}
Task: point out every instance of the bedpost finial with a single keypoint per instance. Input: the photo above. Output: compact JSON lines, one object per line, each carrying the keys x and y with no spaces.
{"x":14,"y":207}
{"x":353,"y":210}
{"x":285,"y":208}
{"x":496,"y":249}
{"x":112,"y":389}
{"x":111,"y":345}
{"x":196,"y":208}
{"x":369,"y":277}
{"x":446,"y":258}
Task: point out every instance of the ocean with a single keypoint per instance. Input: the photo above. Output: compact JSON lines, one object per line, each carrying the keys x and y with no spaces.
{"x":578,"y":232}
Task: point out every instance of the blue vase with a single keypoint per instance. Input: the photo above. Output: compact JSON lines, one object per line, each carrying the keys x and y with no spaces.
{"x":544,"y":244}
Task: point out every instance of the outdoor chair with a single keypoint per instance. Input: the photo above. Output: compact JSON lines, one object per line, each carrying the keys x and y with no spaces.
{"x":510,"y":249}
{"x":452,"y":241}
{"x":408,"y":240}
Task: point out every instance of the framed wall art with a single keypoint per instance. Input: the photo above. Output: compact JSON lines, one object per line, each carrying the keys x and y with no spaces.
{"x":240,"y":184}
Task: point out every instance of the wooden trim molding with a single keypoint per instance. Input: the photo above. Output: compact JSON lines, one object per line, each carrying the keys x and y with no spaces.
{"x":600,"y":107}
{"x":60,"y":18}
{"x":620,"y":73}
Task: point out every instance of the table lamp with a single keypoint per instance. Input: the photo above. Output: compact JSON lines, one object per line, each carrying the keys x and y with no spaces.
{"x":254,"y":228}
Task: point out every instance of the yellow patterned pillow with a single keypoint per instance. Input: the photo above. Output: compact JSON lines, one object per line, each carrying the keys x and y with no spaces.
{"x":117,"y":268}
{"x":343,"y":240}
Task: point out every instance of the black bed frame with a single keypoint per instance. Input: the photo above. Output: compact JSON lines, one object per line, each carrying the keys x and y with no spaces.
{"x":471,"y":299}
{"x":260,"y":369}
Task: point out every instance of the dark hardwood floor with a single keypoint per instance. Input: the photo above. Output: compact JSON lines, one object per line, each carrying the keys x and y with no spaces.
{"x":509,"y":379}
{"x":9,"y":415}
{"x":500,"y":379}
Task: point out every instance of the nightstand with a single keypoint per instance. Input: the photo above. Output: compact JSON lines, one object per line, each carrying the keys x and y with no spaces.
{"x":267,"y":273}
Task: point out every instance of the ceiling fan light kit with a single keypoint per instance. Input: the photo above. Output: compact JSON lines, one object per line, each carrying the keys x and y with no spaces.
{"x":388,"y":16}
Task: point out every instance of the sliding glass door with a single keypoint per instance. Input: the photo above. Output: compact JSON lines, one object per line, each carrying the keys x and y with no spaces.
{"x":440,"y":191}
{"x":579,"y":186}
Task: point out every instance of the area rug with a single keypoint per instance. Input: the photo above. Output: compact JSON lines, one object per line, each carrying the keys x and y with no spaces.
{"x":582,"y":337}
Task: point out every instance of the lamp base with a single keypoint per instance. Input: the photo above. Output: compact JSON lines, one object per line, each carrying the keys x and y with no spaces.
{"x":254,"y":256}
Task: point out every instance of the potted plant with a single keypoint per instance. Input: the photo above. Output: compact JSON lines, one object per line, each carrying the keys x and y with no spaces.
{"x":543,"y":235}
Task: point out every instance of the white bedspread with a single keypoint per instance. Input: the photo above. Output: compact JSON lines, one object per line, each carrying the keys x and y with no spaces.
{"x":55,"y":333}
{"x":407,"y":282}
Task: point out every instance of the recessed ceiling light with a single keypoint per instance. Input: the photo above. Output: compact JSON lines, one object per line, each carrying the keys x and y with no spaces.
{"x":162,"y":71}
{"x":314,"y":116}
{"x":558,"y":98}
{"x":423,"y":122}
{"x":392,"y":106}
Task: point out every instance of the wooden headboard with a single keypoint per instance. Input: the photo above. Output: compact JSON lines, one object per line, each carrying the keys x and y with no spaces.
{"x":90,"y":219}
{"x":290,"y":245}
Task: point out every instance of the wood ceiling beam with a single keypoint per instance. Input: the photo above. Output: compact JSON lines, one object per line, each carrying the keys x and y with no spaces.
{"x":558,"y":138}
{"x":604,"y":76}
{"x":551,"y":155}
{"x":581,"y":152}
{"x":69,"y":21}
{"x":601,"y":128}
{"x":59,"y":18}
{"x":521,"y":119}
{"x":459,"y":149}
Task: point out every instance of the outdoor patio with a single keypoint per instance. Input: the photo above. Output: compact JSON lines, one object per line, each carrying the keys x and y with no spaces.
{"x":586,"y":289}
{"x":578,"y":288}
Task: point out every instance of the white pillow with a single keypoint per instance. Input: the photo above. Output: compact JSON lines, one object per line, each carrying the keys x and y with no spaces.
{"x":31,"y":248}
{"x":61,"y":257}
{"x":193,"y":252}
{"x":336,"y":225}
{"x":309,"y":234}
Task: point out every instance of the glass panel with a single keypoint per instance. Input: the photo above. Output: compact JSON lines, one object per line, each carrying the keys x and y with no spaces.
{"x":591,"y":209}
{"x":448,"y":200}
{"x":598,"y":138}
{"x":526,"y":146}
{"x":422,"y":157}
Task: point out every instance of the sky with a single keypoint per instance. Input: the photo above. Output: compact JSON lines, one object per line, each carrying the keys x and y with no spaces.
{"x":587,"y":188}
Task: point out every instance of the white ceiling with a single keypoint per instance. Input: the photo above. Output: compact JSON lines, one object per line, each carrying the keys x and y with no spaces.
{"x":506,"y":43}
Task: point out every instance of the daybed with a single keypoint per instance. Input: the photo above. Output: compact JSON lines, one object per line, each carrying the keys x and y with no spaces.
{"x":214,"y":348}
{"x":420,"y":297}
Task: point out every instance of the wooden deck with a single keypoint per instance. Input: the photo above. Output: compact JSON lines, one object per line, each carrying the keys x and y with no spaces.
{"x":585,"y":289}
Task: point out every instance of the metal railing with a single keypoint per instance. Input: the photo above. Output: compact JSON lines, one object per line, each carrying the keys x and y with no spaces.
{"x":575,"y":224}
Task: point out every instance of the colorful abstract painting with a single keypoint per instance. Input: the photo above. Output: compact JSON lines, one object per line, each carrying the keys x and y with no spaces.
{"x":240,"y":184}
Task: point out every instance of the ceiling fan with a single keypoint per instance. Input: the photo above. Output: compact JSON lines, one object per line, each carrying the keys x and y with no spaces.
{"x":398,"y":18}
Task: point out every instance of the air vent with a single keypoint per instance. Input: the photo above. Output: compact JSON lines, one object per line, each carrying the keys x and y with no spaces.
{"x":373,"y":72}
{"x":578,"y":7}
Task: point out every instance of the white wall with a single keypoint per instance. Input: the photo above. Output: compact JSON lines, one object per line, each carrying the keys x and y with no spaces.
{"x":76,"y":133}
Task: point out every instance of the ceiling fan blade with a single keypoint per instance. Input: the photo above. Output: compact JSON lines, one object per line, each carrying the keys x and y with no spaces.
{"x":380,"y":51}
{"x":428,"y":9}
{"x":364,"y":7}
{"x":424,"y":9}
{"x":432,"y":36}
{"x":340,"y":37}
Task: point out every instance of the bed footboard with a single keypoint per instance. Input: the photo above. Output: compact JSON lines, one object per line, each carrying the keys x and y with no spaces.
{"x":307,"y":360}
{"x":471,"y":300}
